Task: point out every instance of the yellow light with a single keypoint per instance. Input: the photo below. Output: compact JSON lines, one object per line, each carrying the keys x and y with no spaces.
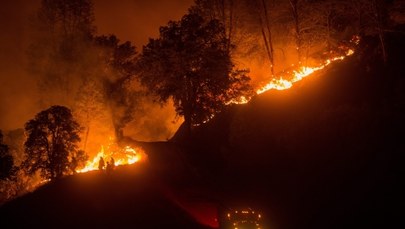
{"x":229,"y":215}
{"x":349,"y":52}
{"x":122,"y":156}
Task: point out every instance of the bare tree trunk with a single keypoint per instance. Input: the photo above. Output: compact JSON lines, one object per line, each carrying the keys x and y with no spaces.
{"x":223,"y":15}
{"x":86,"y":138}
{"x":222,"y":6}
{"x":230,"y":30}
{"x":298,"y":38}
{"x":359,"y":14}
{"x":383,"y":49}
{"x":380,"y":28}
{"x":328,"y":24}
{"x":188,"y":106}
{"x":267,"y":40}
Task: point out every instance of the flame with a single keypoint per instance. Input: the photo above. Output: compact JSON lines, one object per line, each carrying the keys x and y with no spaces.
{"x":122,"y":156}
{"x":128,"y":155}
{"x":282,"y":83}
{"x":240,"y":100}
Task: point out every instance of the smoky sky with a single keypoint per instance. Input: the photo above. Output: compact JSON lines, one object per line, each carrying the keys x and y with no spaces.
{"x":129,"y":20}
{"x":137,"y":20}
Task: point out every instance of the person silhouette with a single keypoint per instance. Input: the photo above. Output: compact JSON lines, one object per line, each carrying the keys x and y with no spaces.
{"x":108,"y":167}
{"x":101,"y":163}
{"x":112,"y":162}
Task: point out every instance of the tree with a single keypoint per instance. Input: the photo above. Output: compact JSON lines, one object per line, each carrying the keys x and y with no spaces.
{"x":190,"y":63}
{"x":222,"y":10}
{"x":373,"y":20}
{"x":6,"y":160}
{"x":51,"y":145}
{"x":266,"y":26}
{"x":120,"y":60}
{"x":90,"y":106}
{"x":78,"y":160}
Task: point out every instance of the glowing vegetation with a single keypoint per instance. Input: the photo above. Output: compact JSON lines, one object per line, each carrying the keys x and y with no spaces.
{"x":122,"y":156}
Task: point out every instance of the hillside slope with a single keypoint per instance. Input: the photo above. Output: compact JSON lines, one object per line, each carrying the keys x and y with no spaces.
{"x":129,"y":197}
{"x":325,"y":153}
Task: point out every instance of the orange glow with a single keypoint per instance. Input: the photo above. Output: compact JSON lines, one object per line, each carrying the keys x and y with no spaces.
{"x":245,"y":218}
{"x":240,"y":100}
{"x":122,"y":156}
{"x":286,"y":81}
{"x":282,"y":83}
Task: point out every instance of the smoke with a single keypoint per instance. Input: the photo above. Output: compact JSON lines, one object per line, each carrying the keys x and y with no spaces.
{"x":137,"y":20}
{"x":133,"y":21}
{"x":17,"y":91}
{"x":158,"y":123}
{"x":130,"y":20}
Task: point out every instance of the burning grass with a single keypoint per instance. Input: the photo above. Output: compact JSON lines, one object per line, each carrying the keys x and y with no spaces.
{"x":122,"y":156}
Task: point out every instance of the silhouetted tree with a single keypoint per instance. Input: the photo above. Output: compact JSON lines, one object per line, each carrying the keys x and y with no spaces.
{"x":221,"y":10}
{"x":263,"y":15}
{"x":190,"y":63}
{"x":78,"y":160}
{"x":6,"y":160}
{"x":228,"y":12}
{"x":296,"y":15}
{"x":329,"y":18}
{"x":372,"y":18}
{"x":52,"y":138}
{"x":120,"y":60}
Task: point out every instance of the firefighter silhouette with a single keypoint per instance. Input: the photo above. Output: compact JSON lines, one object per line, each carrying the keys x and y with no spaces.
{"x":110,"y":165}
{"x":101,"y":164}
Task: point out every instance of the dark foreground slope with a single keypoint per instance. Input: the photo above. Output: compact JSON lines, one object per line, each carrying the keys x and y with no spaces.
{"x":326,"y":153}
{"x":127,"y":198}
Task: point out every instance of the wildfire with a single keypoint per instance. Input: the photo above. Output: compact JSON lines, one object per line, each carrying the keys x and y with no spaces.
{"x":282,"y":83}
{"x":240,"y":100}
{"x":121,"y":156}
{"x":128,"y":155}
{"x":287,"y":81}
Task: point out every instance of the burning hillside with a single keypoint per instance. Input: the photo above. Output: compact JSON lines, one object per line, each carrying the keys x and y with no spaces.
{"x":112,"y":153}
{"x":129,"y":155}
{"x":286,"y":79}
